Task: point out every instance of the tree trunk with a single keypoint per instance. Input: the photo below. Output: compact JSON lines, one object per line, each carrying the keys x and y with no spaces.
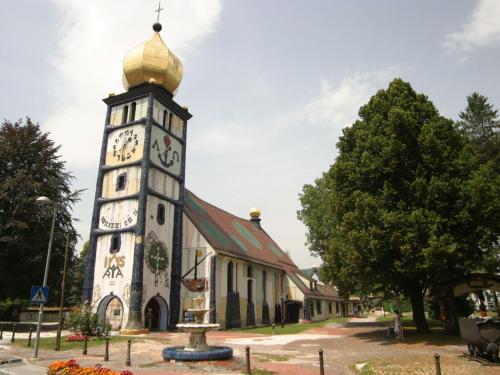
{"x":417,"y":305}
{"x":495,"y":300}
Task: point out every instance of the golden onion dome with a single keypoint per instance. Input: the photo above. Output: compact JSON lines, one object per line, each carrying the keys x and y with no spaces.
{"x":255,"y":213}
{"x":152,"y":62}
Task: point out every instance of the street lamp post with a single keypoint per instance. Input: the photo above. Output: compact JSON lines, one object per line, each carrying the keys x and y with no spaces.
{"x":45,"y":200}
{"x":61,"y":306}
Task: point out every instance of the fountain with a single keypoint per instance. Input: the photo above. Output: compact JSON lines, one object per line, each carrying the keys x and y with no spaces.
{"x":197,"y":348}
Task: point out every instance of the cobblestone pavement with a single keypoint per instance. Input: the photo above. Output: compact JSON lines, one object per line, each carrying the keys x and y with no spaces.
{"x":359,"y":341}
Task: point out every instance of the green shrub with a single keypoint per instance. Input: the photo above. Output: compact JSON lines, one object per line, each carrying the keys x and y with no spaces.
{"x":87,"y":322}
{"x":8,"y":305}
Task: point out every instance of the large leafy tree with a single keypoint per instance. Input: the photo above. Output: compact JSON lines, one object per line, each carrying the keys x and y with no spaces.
{"x":77,"y":275}
{"x":31,"y":167}
{"x":404,"y":207}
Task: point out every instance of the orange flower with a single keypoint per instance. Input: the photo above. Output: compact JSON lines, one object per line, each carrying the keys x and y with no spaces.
{"x":72,"y":367}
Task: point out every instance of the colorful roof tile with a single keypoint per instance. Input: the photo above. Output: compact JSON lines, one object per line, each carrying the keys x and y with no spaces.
{"x":233,"y":235}
{"x":244,"y":239}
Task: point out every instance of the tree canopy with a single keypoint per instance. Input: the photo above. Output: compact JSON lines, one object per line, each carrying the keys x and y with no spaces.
{"x":479,"y":121}
{"x":30,"y":167}
{"x":405,"y":205}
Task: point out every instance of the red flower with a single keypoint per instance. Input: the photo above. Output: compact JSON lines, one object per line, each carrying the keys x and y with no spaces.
{"x":166,"y":140}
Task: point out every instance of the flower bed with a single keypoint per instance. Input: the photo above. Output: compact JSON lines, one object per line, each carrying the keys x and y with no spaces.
{"x":72,"y":367}
{"x":77,"y":337}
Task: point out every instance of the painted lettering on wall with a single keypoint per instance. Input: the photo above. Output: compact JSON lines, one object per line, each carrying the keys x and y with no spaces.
{"x":113,"y":265}
{"x":118,"y":215}
{"x":128,"y":220}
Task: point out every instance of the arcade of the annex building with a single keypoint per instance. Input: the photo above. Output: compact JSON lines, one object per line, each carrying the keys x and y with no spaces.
{"x":154,"y":245}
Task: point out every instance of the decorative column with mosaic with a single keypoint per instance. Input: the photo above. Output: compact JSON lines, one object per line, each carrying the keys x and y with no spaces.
{"x":134,"y":262}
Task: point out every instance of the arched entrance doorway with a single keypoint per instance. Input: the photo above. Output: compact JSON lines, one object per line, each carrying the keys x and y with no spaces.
{"x":110,"y":310}
{"x":156,"y":314}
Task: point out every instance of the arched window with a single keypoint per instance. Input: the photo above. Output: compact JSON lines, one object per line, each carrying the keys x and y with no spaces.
{"x":115,"y":243}
{"x":164,"y":121}
{"x":170,"y":121}
{"x":249,"y":284}
{"x":230,"y":277}
{"x":264,"y":291}
{"x":160,"y":214}
{"x":250,"y":290}
{"x":236,"y":278}
{"x":121,"y":181}
{"x":132,"y":111}
{"x":125,"y":114}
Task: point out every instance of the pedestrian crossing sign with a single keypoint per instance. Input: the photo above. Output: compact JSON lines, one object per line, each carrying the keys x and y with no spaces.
{"x":39,"y":294}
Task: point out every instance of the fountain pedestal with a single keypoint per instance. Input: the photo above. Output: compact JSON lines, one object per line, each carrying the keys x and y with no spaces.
{"x":197,"y":348}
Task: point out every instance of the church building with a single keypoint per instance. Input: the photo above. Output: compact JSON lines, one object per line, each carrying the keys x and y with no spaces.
{"x":155,"y":246}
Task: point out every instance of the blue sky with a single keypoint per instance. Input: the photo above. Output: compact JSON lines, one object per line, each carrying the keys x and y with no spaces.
{"x":270,"y":83}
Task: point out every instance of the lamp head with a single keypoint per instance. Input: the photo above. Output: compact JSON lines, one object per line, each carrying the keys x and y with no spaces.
{"x":44,"y":200}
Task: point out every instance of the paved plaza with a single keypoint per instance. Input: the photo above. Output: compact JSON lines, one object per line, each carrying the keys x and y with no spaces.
{"x":347,"y":347}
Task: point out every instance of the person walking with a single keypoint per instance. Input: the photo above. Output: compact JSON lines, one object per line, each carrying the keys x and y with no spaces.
{"x":397,"y":324}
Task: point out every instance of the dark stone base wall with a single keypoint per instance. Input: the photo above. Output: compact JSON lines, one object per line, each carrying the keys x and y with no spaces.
{"x":277,"y":314}
{"x":233,"y":317}
{"x":250,"y":314}
{"x":265,"y":314}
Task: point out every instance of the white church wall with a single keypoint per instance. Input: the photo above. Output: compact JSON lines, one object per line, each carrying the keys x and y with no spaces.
{"x":113,"y":271}
{"x":132,"y":182}
{"x":141,"y":109}
{"x":163,"y":183}
{"x":157,"y":250}
{"x":177,"y":126}
{"x":167,"y":119}
{"x":193,"y":241}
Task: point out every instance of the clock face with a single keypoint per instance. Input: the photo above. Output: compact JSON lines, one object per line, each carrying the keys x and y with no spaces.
{"x":125,"y":145}
{"x":166,"y":151}
{"x":118,"y":215}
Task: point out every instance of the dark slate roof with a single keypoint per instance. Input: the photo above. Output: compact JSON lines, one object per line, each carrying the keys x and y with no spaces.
{"x":242,"y":238}
{"x":233,"y":235}
{"x":308,"y":271}
{"x":321,"y":291}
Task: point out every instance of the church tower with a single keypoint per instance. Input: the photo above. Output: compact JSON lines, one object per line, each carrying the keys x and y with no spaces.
{"x":134,"y":262}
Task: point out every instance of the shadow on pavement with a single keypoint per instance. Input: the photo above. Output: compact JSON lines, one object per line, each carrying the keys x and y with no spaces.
{"x":437,"y":337}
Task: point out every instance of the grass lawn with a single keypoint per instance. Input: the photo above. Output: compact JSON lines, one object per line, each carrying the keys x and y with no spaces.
{"x":49,"y":343}
{"x":289,"y":328}
{"x":424,"y":365}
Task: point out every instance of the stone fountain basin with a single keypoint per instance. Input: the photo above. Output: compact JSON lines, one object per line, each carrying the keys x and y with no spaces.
{"x":197,"y":327}
{"x":212,"y":353}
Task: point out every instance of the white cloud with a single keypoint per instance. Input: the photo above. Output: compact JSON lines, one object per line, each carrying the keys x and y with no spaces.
{"x":93,"y":37}
{"x":482,"y":29}
{"x":337,"y":106}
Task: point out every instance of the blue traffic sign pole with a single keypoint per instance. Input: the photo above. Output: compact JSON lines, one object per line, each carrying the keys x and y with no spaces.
{"x":39,"y":294}
{"x":45,"y":278}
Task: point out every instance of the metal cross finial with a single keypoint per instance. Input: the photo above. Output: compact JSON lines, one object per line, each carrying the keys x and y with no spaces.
{"x":158,"y":11}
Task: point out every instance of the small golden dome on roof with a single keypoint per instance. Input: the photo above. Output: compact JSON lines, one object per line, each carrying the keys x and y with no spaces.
{"x":152,"y":62}
{"x":255,"y":213}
